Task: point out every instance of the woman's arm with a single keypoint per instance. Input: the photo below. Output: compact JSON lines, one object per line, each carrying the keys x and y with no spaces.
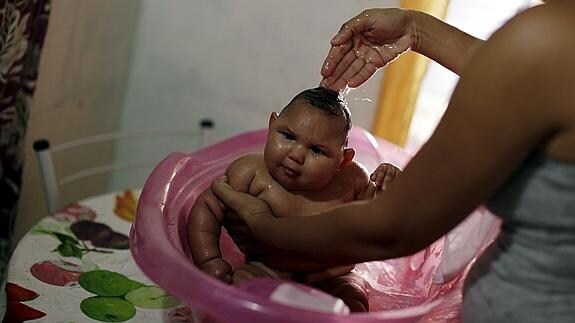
{"x":442,"y":42}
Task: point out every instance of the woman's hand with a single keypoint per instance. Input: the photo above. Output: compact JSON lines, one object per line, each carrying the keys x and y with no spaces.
{"x":366,"y":43}
{"x":246,"y":216}
{"x":249,"y":208}
{"x":249,"y":222}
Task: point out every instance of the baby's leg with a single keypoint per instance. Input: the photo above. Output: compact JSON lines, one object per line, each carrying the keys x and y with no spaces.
{"x":252,"y":270}
{"x":351,"y":288}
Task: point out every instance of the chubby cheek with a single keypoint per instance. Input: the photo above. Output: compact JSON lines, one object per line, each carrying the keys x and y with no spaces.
{"x":279,"y":154}
{"x":274,"y":151}
{"x":321,"y":172}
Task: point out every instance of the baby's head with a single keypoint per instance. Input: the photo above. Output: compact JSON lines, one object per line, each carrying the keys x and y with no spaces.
{"x":306,"y":144}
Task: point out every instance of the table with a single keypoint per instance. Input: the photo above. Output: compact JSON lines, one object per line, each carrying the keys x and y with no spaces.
{"x":76,"y":266}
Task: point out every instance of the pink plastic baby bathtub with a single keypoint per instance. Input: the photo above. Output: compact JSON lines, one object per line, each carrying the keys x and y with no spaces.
{"x":401,"y":290}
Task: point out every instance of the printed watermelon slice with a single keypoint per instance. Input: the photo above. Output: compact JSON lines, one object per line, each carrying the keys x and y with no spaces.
{"x":17,"y":293}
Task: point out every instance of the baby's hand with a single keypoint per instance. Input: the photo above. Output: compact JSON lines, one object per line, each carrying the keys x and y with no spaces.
{"x":218,"y":268}
{"x":383,"y":175}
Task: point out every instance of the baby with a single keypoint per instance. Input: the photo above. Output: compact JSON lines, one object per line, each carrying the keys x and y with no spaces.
{"x":306,"y":168}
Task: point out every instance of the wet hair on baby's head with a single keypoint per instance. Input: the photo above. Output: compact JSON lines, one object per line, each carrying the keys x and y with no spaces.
{"x":327,"y":101}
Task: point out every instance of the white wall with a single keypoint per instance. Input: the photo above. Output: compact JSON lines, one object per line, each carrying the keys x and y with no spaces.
{"x":234,"y":61}
{"x":80,"y":92}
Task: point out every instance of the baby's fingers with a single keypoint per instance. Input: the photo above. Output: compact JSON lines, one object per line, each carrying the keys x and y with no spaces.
{"x":218,"y":268}
{"x":378,"y":175}
{"x":390,"y":175}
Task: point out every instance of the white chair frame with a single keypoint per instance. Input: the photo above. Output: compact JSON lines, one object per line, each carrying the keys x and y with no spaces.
{"x":51,"y":183}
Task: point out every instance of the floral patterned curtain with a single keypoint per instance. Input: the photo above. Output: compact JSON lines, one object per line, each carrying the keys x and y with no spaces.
{"x":22,"y":30}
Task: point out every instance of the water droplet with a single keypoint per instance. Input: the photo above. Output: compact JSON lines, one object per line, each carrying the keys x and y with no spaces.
{"x":345,"y":91}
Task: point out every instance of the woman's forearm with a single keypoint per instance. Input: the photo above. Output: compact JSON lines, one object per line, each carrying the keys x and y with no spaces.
{"x":442,"y":42}
{"x":335,"y":237}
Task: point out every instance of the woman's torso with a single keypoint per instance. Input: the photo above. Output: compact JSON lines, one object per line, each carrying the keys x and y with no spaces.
{"x":528,"y":273}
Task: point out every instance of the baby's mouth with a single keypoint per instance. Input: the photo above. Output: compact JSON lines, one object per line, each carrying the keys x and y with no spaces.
{"x":290,"y":172}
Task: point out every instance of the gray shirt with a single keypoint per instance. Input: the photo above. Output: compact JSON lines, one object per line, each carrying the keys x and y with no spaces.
{"x":528,"y":272}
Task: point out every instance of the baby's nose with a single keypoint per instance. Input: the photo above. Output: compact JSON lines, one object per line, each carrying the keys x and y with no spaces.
{"x":297,"y":154}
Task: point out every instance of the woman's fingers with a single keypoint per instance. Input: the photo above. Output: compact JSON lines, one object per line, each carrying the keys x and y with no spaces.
{"x":363,"y":75}
{"x":356,"y":67}
{"x":246,"y":206}
{"x":337,"y":81}
{"x":231,"y":198}
{"x":343,"y":36}
{"x":336,"y":56}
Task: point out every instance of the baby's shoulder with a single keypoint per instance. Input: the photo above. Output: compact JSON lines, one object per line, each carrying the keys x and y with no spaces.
{"x":358,"y":178}
{"x":355,"y":170}
{"x":245,"y":163}
{"x":241,"y":172}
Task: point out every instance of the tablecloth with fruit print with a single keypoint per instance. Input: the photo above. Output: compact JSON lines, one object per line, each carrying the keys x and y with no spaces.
{"x":76,"y":266}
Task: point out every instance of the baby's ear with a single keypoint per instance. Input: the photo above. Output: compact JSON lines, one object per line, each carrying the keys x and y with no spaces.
{"x":348,"y":154}
{"x":273,"y":117}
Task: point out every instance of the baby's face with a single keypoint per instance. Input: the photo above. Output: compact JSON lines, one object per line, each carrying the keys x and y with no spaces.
{"x":304,"y":148}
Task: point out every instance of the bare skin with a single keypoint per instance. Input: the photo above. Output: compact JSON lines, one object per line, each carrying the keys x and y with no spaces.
{"x":515,"y":97}
{"x":303,"y":171}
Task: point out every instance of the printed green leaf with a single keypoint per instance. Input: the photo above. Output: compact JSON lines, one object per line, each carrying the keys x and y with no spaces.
{"x":70,"y":250}
{"x":108,"y":309}
{"x":151,"y":297}
{"x":107,"y":283}
{"x":65,"y":238}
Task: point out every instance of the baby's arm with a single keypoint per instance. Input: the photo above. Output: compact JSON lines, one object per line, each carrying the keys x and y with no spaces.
{"x":206,"y":219}
{"x":204,"y":230}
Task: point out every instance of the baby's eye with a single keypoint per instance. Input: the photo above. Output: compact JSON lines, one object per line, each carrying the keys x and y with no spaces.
{"x":288,"y":136}
{"x":316,"y":150}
